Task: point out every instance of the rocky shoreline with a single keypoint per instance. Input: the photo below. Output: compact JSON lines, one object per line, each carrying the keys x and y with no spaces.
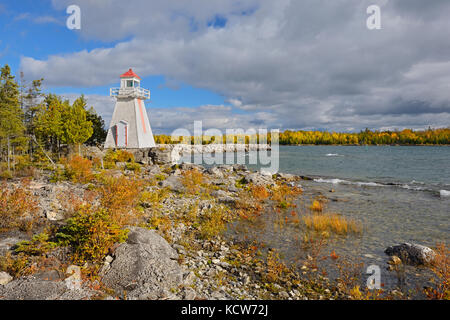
{"x":165,"y":258}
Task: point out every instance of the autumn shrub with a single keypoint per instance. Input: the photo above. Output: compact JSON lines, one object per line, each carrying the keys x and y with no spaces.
{"x":118,"y":156}
{"x":441,"y":269}
{"x":192,"y":180}
{"x":18,"y":207}
{"x":213,"y":222}
{"x":38,"y":245}
{"x":120,"y":196}
{"x":275,"y":266}
{"x":331,"y":222}
{"x":153,"y":199}
{"x":79,"y":169}
{"x":132,"y":166}
{"x":91,"y":232}
{"x":316,"y":206}
{"x":15,"y":265}
{"x":259,"y":192}
{"x":285,"y":195}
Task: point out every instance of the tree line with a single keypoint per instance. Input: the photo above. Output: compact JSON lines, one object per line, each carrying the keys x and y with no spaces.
{"x":36,"y":124}
{"x":368,"y":137}
{"x":365,"y":137}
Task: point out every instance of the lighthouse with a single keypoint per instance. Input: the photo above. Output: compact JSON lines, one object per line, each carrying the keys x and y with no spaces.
{"x":130,"y":127}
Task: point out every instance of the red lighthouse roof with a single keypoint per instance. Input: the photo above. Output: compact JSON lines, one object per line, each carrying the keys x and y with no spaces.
{"x":130,"y":74}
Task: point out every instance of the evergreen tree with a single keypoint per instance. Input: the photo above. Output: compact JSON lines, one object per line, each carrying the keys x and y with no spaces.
{"x":77,"y":129}
{"x":98,"y":125}
{"x":11,"y":115}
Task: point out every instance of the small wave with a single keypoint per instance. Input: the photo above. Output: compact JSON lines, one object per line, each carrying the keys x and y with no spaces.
{"x":444,"y":193}
{"x":340,"y":181}
{"x":332,"y":155}
{"x":333,"y":181}
{"x":368,"y":184}
{"x":406,"y":186}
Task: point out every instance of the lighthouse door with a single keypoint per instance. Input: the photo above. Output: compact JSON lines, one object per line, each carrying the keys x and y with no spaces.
{"x":122,"y":134}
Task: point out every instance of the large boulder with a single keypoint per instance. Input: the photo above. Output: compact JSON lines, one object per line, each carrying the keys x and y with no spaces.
{"x":34,"y":288}
{"x":412,"y":253}
{"x":144,"y":267}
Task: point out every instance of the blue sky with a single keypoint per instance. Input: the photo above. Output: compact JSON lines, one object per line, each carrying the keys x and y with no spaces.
{"x":36,"y":29}
{"x":304,"y":64}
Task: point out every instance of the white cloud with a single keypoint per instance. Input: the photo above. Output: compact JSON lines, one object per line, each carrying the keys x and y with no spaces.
{"x":293,"y":64}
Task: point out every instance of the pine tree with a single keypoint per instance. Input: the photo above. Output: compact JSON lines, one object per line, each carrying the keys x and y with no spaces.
{"x":11,"y":115}
{"x":98,"y":125}
{"x":77,"y":129}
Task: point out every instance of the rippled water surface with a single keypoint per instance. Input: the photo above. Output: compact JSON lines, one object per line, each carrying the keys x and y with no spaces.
{"x":400,"y":194}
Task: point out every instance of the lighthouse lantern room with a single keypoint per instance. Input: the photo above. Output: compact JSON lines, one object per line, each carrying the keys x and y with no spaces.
{"x":130,"y":127}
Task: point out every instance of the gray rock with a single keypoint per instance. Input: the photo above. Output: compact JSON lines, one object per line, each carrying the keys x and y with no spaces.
{"x":215,"y":171}
{"x":412,"y":253}
{"x":286,"y":176}
{"x":173,"y":183}
{"x":259,"y":179}
{"x":5,"y":278}
{"x":226,"y":168}
{"x":144,"y":267}
{"x":7,"y":244}
{"x":161,"y":155}
{"x":189,"y":294}
{"x":239,"y":167}
{"x":191,"y":166}
{"x":31,"y":288}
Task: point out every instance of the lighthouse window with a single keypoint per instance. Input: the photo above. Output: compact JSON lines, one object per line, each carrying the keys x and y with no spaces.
{"x":129,"y":83}
{"x":136,"y":84}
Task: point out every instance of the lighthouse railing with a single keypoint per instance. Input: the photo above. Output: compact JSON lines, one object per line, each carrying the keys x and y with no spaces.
{"x":138,"y":92}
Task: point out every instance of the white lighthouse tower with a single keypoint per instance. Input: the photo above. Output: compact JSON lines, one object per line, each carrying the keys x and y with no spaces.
{"x":129,"y":126}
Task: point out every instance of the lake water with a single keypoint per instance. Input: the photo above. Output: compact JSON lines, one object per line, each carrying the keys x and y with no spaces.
{"x":399,"y":193}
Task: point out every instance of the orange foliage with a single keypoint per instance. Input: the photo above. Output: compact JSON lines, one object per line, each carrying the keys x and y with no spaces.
{"x":79,"y":169}
{"x":17,"y":203}
{"x":121,"y":196}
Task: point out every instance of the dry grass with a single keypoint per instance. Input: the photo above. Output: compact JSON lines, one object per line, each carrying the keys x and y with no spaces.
{"x":331,"y":222}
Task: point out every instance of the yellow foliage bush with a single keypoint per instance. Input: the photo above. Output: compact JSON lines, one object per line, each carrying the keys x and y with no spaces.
{"x":331,"y":222}
{"x":192,"y":180}
{"x":91,"y":232}
{"x":79,"y":169}
{"x":121,"y":197}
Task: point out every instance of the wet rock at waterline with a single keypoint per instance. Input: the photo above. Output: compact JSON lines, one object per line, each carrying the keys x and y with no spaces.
{"x":412,"y":253}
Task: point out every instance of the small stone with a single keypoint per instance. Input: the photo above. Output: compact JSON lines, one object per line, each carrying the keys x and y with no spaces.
{"x":283,"y":295}
{"x":109,"y":259}
{"x":5,"y":278}
{"x":54,"y":216}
